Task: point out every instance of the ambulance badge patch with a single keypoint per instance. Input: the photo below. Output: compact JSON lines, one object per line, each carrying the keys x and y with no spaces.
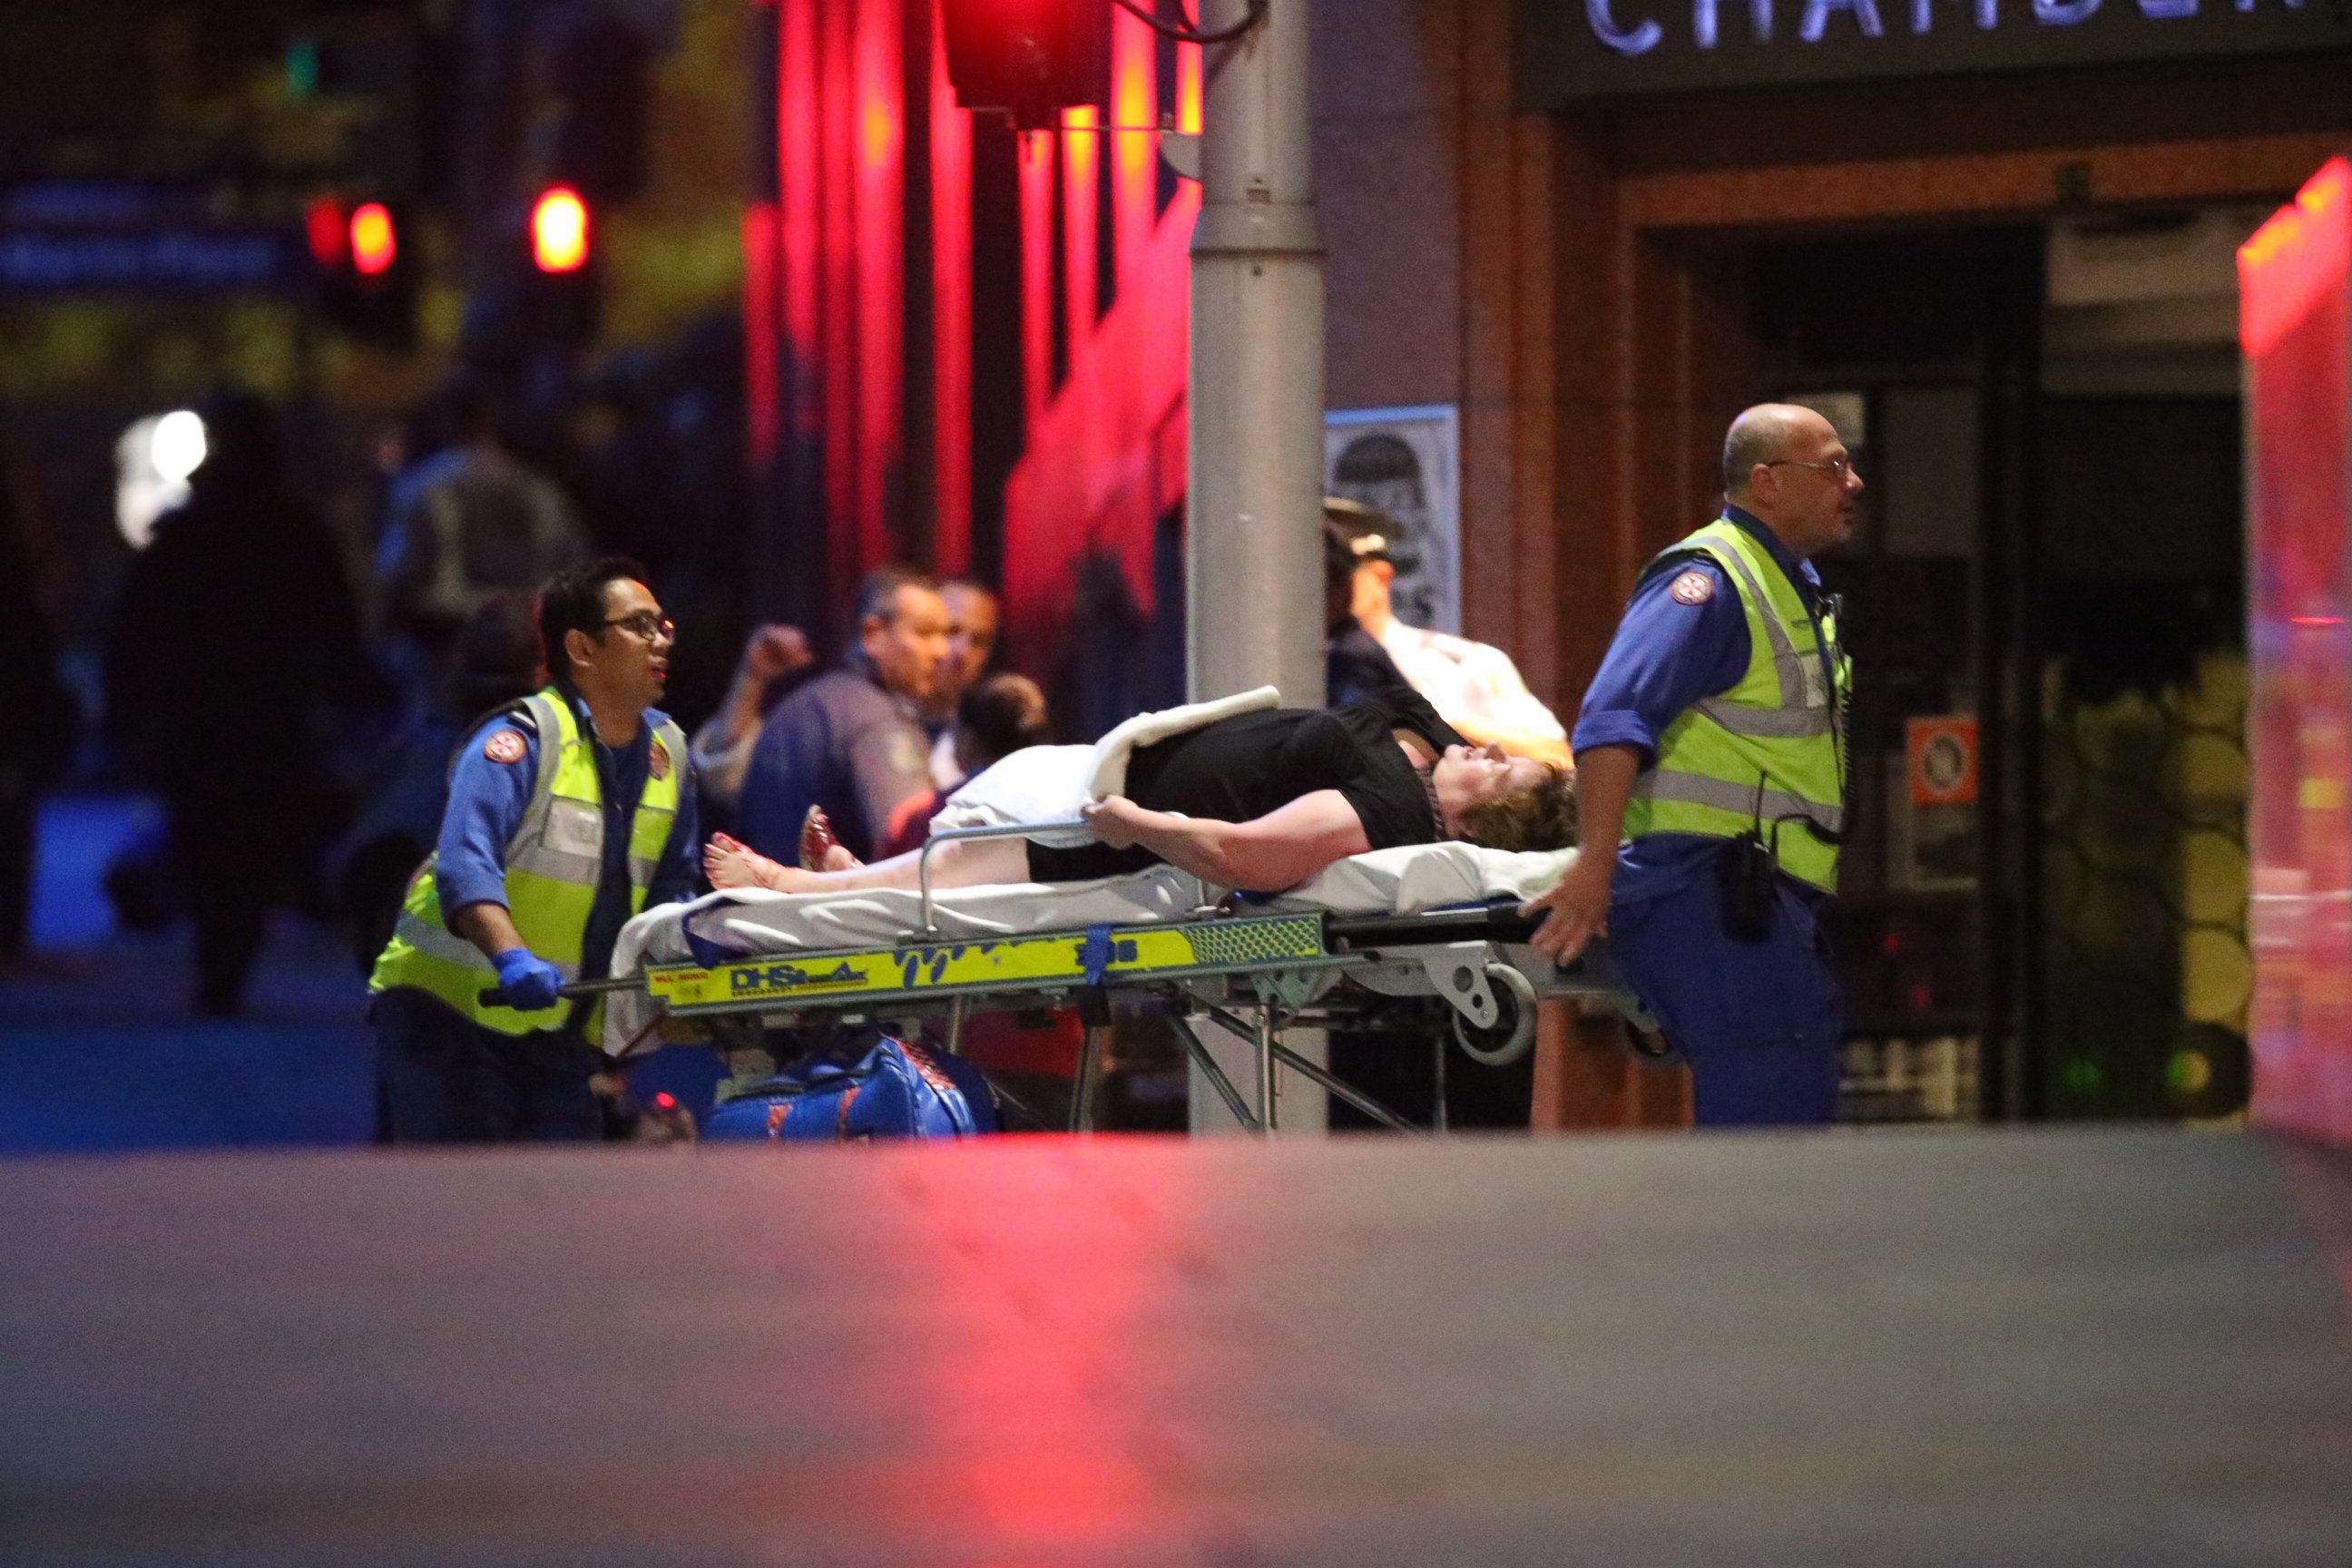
{"x":1691,"y":588}
{"x":658,"y":761}
{"x":506,"y":746}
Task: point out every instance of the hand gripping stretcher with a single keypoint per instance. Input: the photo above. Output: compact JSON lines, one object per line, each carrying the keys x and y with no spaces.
{"x":1428,"y":931}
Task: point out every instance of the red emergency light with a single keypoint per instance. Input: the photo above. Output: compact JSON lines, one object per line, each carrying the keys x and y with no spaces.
{"x":559,"y":230}
{"x":375,"y":247}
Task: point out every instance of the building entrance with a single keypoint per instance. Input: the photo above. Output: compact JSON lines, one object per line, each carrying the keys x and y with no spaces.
{"x":2043,"y":909}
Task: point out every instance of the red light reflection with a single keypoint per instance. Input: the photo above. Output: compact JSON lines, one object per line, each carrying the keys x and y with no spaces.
{"x":2293,"y":320}
{"x":323,"y":226}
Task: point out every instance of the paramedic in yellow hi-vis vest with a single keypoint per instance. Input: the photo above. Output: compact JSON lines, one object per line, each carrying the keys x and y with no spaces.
{"x":569,"y":811}
{"x":1711,"y":758}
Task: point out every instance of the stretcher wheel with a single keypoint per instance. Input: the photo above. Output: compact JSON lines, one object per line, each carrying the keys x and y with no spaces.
{"x":1514,"y":1030}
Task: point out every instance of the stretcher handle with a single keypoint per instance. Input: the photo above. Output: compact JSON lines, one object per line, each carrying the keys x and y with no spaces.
{"x":1007,"y":830}
{"x":495,"y":997}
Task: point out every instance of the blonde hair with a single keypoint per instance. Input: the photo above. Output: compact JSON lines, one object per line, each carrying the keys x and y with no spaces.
{"x":1540,"y":816}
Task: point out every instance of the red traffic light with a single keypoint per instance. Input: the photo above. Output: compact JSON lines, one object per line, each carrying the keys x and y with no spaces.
{"x":324,"y":226}
{"x":1032,"y":59}
{"x":375,"y":246}
{"x":559,"y":230}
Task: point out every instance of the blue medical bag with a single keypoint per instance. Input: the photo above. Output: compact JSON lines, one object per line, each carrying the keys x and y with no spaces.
{"x":897,"y":1089}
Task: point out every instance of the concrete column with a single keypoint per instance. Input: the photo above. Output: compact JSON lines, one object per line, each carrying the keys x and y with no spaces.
{"x":1254,"y":543}
{"x":1254,"y":554}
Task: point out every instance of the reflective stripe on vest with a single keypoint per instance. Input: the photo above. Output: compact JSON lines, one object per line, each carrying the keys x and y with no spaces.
{"x":553,"y":863}
{"x":1768,"y":749}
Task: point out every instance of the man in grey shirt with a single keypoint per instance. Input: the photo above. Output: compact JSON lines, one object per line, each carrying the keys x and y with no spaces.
{"x":851,"y":740}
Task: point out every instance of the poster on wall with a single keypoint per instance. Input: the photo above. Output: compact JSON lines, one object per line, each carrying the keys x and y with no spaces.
{"x":1405,"y":463}
{"x":1934,"y":843}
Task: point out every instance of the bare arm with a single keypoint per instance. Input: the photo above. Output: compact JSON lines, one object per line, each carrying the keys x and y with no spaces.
{"x":1519,"y":742}
{"x":771,"y":651}
{"x":1280,"y":849}
{"x":488,"y":926}
{"x":1577,"y":907}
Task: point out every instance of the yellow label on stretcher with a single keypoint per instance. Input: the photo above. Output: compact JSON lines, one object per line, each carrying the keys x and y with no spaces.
{"x":1126,"y":952}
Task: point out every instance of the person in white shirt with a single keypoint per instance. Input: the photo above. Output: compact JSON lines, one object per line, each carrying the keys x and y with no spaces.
{"x":1473,"y":686}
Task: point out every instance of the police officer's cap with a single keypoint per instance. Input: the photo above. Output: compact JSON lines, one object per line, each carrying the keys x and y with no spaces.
{"x":1362,"y":530}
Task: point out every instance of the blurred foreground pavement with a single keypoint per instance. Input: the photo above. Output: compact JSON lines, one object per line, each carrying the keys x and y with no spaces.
{"x":2127,"y":1347}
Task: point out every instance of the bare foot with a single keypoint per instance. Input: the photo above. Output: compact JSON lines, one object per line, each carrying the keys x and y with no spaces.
{"x":837,"y":858}
{"x":730,"y":863}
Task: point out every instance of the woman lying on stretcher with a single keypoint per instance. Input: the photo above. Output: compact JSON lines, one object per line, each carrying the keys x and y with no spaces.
{"x":1262,"y":801}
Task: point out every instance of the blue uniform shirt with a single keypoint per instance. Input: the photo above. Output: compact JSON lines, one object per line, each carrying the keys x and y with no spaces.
{"x":840,"y":742}
{"x":1666,"y":656}
{"x":487,"y":802}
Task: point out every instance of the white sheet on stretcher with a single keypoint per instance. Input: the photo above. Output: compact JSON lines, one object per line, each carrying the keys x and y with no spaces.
{"x":1386,"y":881}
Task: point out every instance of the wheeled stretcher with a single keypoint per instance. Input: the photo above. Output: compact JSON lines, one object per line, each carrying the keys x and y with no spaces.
{"x":1429,"y":932}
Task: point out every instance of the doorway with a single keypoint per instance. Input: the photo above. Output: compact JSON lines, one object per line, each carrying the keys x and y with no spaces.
{"x":2041,"y":910}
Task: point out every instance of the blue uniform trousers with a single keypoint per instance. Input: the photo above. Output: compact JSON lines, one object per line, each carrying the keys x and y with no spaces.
{"x":444,"y":1078}
{"x":1759,"y":1022}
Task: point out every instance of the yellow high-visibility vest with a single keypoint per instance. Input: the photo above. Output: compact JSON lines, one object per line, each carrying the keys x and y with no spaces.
{"x":553,"y":863}
{"x":1768,"y":754}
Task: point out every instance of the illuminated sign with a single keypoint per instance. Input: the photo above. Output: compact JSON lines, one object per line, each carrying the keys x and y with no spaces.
{"x":1571,"y":51}
{"x":161,"y":259}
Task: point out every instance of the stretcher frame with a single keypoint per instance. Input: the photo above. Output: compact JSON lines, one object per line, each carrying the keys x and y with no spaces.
{"x":1255,"y":975}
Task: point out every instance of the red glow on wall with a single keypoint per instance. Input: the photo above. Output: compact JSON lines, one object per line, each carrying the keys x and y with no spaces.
{"x":950,"y":322}
{"x":1188,"y":91}
{"x":879,"y":285}
{"x":375,"y":247}
{"x":2296,"y":325}
{"x":1105,"y":455}
{"x":2293,"y":258}
{"x":1036,"y":275}
{"x":1081,"y":149}
{"x":762,"y":328}
{"x":876,"y":448}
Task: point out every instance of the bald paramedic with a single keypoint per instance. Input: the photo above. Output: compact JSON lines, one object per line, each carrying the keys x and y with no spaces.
{"x":569,"y":811}
{"x":1711,"y":757}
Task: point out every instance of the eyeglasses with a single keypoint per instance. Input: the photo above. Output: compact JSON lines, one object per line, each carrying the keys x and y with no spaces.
{"x":646,"y":625}
{"x":1836,"y":467}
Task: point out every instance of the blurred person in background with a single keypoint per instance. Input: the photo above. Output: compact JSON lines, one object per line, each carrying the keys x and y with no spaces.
{"x":38,"y":742}
{"x":1355,"y":666}
{"x":998,"y":716}
{"x":498,"y":662}
{"x":235,"y":631}
{"x":973,"y":622}
{"x":469,"y":520}
{"x":568,"y":812}
{"x":1473,"y":686}
{"x":850,"y":745}
{"x":773,"y":654}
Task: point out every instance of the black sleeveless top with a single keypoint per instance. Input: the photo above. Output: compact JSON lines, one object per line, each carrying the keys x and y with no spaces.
{"x":1245,"y":767}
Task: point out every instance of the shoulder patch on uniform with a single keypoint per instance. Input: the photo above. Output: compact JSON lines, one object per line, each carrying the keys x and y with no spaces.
{"x":1691,"y":588}
{"x":504,"y":746}
{"x":657,"y":761}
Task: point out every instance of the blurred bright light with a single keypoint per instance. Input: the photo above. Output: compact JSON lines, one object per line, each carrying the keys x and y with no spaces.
{"x":559,"y":231}
{"x":153,"y":460}
{"x":374,"y":244}
{"x":329,"y":234}
{"x":178,"y":445}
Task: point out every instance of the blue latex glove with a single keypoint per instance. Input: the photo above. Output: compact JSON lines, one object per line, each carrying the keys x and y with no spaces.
{"x":530,"y":983}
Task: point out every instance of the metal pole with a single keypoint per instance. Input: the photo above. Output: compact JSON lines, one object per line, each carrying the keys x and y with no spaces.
{"x":1253,"y":548}
{"x":1253,"y":552}
{"x":1268,"y":1117}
